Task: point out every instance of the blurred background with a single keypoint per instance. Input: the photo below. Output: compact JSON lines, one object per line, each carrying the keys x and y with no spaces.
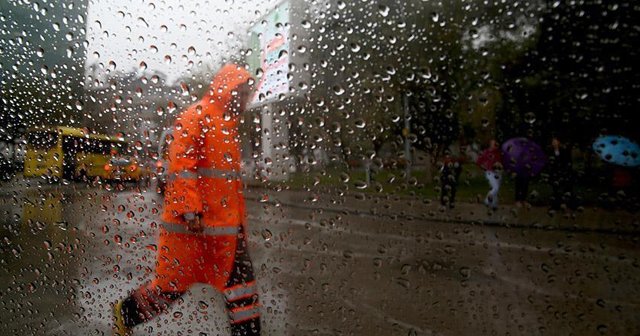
{"x":363,"y":160}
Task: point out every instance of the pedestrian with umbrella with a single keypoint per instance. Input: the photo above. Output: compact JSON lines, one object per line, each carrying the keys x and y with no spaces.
{"x":617,"y":150}
{"x":491,"y":161}
{"x":525,"y":159}
{"x":623,"y":154}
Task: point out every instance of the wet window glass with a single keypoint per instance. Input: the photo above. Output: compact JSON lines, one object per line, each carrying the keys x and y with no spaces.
{"x":323,"y":167}
{"x":42,"y":139}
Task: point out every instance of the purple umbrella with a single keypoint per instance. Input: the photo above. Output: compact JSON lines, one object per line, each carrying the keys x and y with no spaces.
{"x":523,"y":156}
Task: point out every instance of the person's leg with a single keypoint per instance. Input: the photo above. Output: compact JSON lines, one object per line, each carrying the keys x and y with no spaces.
{"x":525,"y":188}
{"x":522,"y":185}
{"x":146,"y":303}
{"x":571,"y":198}
{"x":487,"y":198}
{"x":457,"y":171}
{"x":177,"y":267}
{"x":445,"y":187}
{"x":241,"y":293}
{"x":494,"y":182}
{"x":497,"y":182}
{"x":556,"y":193}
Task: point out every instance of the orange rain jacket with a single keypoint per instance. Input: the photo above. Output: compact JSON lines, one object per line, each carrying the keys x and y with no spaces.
{"x":204,"y":180}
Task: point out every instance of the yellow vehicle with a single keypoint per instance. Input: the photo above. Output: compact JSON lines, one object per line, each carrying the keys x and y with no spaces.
{"x":71,"y":153}
{"x":125,"y":168}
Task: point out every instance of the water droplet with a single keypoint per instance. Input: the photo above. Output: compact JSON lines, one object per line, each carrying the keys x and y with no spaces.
{"x":530,"y":118}
{"x":56,"y":26}
{"x":361,"y":185}
{"x":143,"y":66}
{"x":40,"y":52}
{"x":143,"y":21}
{"x":184,"y":88}
{"x":602,"y":328}
{"x":403,"y":282}
{"x":383,"y":10}
{"x":191,"y":51}
{"x":266,"y":234}
{"x":167,"y":59}
{"x":465,"y":272}
{"x":485,"y":122}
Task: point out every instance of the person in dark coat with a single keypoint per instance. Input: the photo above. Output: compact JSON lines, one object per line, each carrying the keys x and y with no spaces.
{"x":561,"y":175}
{"x":450,"y":175}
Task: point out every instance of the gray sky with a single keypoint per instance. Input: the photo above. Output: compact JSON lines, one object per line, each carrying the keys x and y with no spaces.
{"x":168,"y":34}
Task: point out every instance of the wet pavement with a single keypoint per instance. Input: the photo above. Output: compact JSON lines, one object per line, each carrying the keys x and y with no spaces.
{"x":69,"y":251}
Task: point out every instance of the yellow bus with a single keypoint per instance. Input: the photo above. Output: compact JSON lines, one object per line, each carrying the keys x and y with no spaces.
{"x":70,"y":153}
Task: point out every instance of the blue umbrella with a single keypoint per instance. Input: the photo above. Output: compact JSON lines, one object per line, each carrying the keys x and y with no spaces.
{"x":617,"y":150}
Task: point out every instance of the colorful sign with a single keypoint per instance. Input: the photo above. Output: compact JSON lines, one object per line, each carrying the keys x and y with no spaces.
{"x":270,"y":57}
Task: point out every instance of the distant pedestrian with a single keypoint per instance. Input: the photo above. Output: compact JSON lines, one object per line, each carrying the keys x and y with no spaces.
{"x":621,"y":194}
{"x":525,"y":159}
{"x":491,"y":161}
{"x":561,"y":176}
{"x":449,"y":178}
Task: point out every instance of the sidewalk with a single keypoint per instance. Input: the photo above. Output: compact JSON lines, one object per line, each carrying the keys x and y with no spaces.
{"x":401,"y":207}
{"x":412,"y":208}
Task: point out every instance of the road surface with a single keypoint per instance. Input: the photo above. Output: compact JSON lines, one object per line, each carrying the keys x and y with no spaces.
{"x":69,"y":251}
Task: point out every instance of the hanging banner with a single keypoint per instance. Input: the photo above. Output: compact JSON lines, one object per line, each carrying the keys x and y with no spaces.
{"x":270,"y":57}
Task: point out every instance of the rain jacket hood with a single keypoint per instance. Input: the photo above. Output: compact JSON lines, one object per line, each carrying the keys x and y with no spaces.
{"x":221,"y":90}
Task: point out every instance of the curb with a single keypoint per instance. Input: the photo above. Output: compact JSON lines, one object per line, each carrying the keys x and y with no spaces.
{"x":535,"y":225}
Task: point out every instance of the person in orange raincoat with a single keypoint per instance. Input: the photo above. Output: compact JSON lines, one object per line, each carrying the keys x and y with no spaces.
{"x":202,"y":235}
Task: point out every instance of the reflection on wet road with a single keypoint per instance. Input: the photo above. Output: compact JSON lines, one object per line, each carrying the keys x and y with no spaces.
{"x":69,"y":252}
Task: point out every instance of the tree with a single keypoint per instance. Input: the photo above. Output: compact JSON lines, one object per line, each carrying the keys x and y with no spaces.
{"x":580,"y":79}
